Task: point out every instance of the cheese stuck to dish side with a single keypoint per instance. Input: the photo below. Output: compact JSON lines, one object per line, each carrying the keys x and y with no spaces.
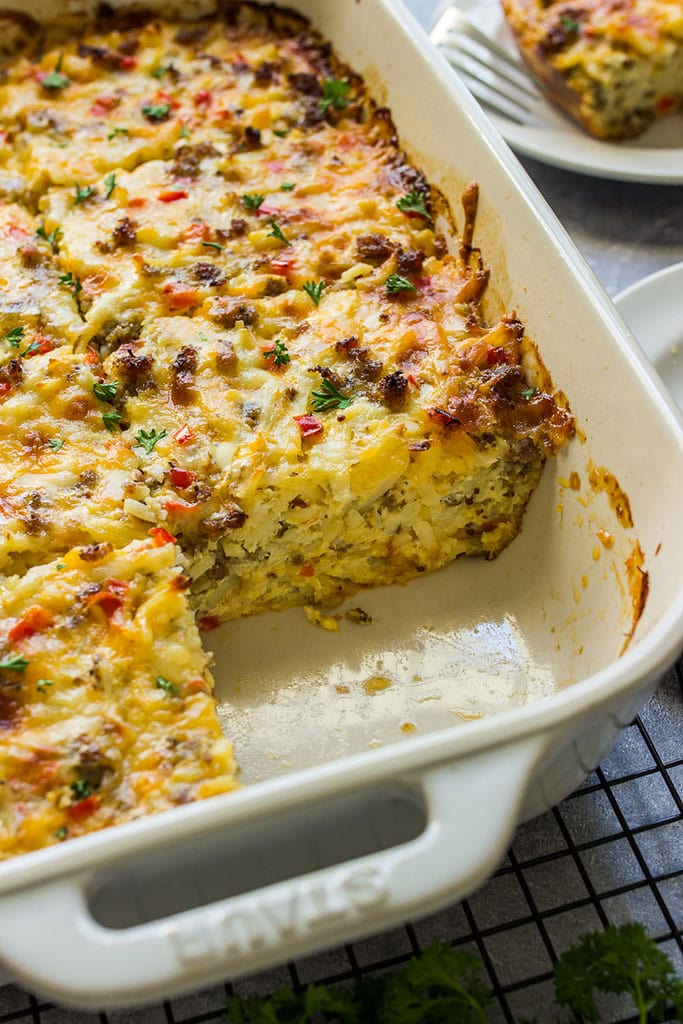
{"x":245,"y":373}
{"x":105,"y":696}
{"x":614,"y":67}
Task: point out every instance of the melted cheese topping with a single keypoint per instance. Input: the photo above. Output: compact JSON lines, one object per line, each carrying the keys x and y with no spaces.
{"x":238,"y":329}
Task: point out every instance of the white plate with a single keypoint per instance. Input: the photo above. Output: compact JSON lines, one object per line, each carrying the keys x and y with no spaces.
{"x":654,"y":158}
{"x":653,"y":309}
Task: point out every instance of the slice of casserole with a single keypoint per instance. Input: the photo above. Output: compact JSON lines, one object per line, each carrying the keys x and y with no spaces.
{"x":106,"y":708}
{"x":615,"y":66}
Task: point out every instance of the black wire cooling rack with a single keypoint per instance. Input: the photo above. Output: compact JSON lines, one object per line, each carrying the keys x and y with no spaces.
{"x":610,"y":853}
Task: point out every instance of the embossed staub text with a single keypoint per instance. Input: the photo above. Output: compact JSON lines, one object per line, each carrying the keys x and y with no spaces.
{"x":270,"y":918}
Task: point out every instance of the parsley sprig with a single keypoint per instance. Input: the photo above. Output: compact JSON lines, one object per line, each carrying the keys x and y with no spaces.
{"x":55,"y":443}
{"x":81,"y":789}
{"x":252,"y":200}
{"x":276,"y":231}
{"x":117,"y":131}
{"x":111,"y":420}
{"x":71,"y":282}
{"x":314,"y":290}
{"x":14,"y":336}
{"x":569,"y":24}
{"x":55,"y":80}
{"x":278,"y":353}
{"x":14,"y":663}
{"x":168,"y":687}
{"x":52,"y":238}
{"x":413,"y":202}
{"x":156,"y":112}
{"x":109,"y":184}
{"x":395,"y":283}
{"x":83,"y":193}
{"x":335,"y":94}
{"x":328,"y":396}
{"x":162,"y":70}
{"x":105,"y":390}
{"x":147,"y":439}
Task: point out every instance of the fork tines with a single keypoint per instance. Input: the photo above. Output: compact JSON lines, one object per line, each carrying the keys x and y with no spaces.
{"x":490,"y":72}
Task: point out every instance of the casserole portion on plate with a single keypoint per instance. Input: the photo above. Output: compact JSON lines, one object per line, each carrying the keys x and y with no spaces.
{"x":278,"y":364}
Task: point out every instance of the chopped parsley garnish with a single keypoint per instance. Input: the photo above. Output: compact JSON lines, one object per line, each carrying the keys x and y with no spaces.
{"x":117,"y":131}
{"x":213,"y":245}
{"x":413,"y":202}
{"x":569,"y":24}
{"x":529,"y":393}
{"x":314,"y":290}
{"x":252,"y":200}
{"x":169,"y":689}
{"x":14,"y":336}
{"x":82,"y":193}
{"x":43,"y":684}
{"x":335,"y":93}
{"x":184,"y":132}
{"x":60,"y":565}
{"x":281,"y":133}
{"x":81,"y":789}
{"x":395,"y":283}
{"x":278,"y":353}
{"x":61,"y":833}
{"x":105,"y":391}
{"x":52,"y":238}
{"x":15,"y":662}
{"x":109,"y":184}
{"x":71,"y":282}
{"x":110,"y":420}
{"x":162,"y":70}
{"x":156,"y":112}
{"x":55,"y":79}
{"x":329,"y":397}
{"x":276,"y":231}
{"x":287,"y":186}
{"x":55,"y":443}
{"x":147,"y":439}
{"x":33,"y":347}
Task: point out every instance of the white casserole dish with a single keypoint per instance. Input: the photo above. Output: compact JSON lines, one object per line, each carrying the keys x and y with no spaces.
{"x":351,"y":825}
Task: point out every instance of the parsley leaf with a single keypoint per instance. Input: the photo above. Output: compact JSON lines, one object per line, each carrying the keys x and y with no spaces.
{"x":43,"y":684}
{"x":278,"y":353}
{"x":335,"y":93}
{"x":276,"y":231}
{"x":156,"y":112}
{"x":82,"y":193}
{"x":14,"y":662}
{"x":529,"y":393}
{"x":162,"y":70}
{"x":117,"y":131}
{"x":72,"y":283}
{"x":168,"y":687}
{"x":55,"y":443}
{"x":14,"y":336}
{"x":213,"y":245}
{"x":619,"y":960}
{"x":395,"y":283}
{"x":55,"y":80}
{"x":147,"y":439}
{"x":52,"y":238}
{"x":184,"y":132}
{"x":110,"y":420}
{"x":287,"y":186}
{"x":314,"y":290}
{"x":329,"y":397}
{"x":105,"y":391}
{"x":569,"y":24}
{"x":81,"y":789}
{"x":61,"y":833}
{"x":33,"y":347}
{"x":109,"y":184}
{"x":413,"y":202}
{"x":252,"y":200}
{"x":281,"y":133}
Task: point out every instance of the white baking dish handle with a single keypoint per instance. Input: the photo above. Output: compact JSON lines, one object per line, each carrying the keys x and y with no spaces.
{"x":51,"y":942}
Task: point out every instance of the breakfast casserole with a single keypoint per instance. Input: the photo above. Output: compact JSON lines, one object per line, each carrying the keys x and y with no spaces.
{"x":615,"y":66}
{"x":241,"y":371}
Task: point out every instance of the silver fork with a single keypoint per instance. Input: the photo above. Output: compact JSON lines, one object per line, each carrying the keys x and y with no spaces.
{"x":496,"y":79}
